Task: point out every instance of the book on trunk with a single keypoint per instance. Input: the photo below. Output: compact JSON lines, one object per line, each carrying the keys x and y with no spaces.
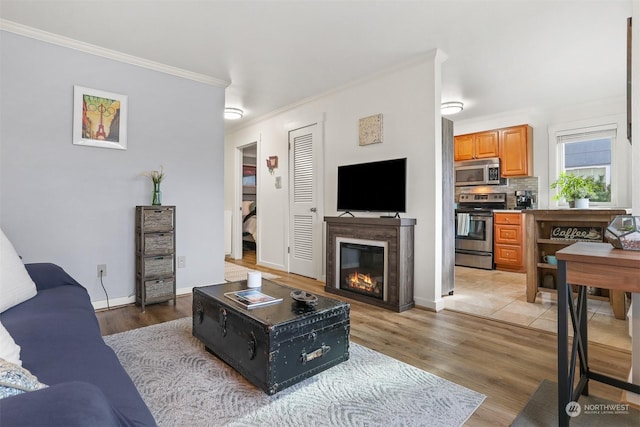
{"x":251,"y":298}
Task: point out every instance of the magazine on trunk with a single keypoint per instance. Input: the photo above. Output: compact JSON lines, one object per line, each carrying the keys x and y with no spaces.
{"x":250,"y":298}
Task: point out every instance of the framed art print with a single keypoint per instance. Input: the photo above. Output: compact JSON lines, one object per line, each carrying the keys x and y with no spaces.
{"x":99,"y":118}
{"x":370,"y":130}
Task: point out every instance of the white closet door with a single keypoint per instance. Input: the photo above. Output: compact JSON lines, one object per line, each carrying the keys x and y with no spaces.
{"x":305,"y":228}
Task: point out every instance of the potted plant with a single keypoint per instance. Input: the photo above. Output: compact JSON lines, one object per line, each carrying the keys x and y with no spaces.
{"x":576,"y":190}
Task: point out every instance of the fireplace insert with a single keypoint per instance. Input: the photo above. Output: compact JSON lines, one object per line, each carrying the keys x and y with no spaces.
{"x":362,"y":268}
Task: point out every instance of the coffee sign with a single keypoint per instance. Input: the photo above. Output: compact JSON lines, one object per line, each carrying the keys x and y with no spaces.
{"x":583,"y":234}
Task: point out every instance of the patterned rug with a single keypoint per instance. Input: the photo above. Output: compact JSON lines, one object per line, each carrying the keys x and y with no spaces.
{"x":234,"y":272}
{"x":184,"y":385}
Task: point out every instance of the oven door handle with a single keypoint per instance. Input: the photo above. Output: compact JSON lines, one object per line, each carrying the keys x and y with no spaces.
{"x":464,"y":251}
{"x":480,"y":217}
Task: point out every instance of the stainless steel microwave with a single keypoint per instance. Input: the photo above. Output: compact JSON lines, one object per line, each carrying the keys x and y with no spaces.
{"x":477,"y":172}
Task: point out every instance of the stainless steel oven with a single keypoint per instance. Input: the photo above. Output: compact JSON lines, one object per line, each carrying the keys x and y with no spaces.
{"x":474,"y":229}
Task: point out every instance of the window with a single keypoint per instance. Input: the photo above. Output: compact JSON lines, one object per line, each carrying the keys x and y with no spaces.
{"x":588,"y":152}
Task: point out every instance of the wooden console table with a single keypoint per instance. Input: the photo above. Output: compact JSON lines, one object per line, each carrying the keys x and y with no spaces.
{"x":587,"y":264}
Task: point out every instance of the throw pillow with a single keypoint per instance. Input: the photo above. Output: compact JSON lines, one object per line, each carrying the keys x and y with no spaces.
{"x":16,"y":285}
{"x":9,"y":350}
{"x":16,"y":380}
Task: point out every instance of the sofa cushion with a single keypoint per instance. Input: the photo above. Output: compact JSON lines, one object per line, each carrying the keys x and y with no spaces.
{"x":70,"y":404}
{"x":16,"y":380}
{"x":9,"y":350}
{"x":16,"y":285}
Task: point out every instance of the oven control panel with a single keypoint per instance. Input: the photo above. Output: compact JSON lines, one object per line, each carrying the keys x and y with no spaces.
{"x":482,"y":198}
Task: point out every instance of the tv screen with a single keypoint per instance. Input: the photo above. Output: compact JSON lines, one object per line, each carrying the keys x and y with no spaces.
{"x":374,"y":187}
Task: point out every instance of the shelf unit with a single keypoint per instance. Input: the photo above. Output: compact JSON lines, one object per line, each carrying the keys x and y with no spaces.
{"x":155,"y":254}
{"x":539,"y":224}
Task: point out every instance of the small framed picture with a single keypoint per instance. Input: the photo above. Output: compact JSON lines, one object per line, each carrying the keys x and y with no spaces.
{"x":370,"y":130}
{"x":99,"y":118}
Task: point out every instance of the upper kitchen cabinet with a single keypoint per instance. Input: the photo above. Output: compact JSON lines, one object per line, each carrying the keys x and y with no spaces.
{"x":516,"y":151}
{"x":480,"y":145}
{"x":514,"y":146}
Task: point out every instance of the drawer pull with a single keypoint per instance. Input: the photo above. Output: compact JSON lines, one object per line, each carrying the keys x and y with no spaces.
{"x":307,"y":357}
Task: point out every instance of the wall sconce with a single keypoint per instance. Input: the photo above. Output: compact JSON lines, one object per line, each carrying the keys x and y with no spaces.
{"x":272,"y":163}
{"x":447,"y":108}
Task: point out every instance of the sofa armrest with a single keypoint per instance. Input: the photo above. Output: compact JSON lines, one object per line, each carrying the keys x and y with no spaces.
{"x":67,"y":404}
{"x":47,"y":275}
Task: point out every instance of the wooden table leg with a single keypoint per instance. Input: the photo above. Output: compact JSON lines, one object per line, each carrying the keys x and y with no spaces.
{"x":616,"y":298}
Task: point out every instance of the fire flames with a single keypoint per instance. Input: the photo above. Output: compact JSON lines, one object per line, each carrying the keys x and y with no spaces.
{"x":363,"y":282}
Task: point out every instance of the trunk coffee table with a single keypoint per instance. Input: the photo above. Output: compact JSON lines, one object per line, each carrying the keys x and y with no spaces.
{"x":273,"y":346}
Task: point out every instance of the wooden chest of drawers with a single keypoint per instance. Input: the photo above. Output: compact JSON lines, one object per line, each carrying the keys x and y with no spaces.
{"x":155,"y":254}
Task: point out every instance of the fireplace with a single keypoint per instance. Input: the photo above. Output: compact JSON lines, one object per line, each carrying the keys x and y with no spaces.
{"x":371,"y":260}
{"x":362,"y":267}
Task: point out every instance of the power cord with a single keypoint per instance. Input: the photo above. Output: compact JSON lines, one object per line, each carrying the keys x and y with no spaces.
{"x":105,"y":291}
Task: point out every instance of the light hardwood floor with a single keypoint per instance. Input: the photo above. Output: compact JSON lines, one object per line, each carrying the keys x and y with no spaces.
{"x":503,"y":361}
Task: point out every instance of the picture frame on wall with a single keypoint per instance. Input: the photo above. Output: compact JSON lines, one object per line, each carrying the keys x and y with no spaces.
{"x":99,"y":118}
{"x":370,"y":130}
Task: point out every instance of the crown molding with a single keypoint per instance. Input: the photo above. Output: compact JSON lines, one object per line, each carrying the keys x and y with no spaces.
{"x":70,"y":43}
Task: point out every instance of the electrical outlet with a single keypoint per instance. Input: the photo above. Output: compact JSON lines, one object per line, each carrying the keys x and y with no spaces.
{"x":102,"y":268}
{"x":182,"y":261}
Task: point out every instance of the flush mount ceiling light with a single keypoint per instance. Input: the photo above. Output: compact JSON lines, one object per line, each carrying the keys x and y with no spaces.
{"x":233,"y":113}
{"x":447,"y":108}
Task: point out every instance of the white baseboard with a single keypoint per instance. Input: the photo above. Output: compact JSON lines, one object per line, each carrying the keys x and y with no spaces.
{"x":99,"y":305}
{"x":428,"y":304}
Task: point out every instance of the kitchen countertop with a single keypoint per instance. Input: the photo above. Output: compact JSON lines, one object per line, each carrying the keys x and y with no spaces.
{"x":568,"y":211}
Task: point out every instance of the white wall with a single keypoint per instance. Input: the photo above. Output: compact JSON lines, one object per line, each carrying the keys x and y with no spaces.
{"x":409,"y":99}
{"x":614,"y":109}
{"x":74,"y":205}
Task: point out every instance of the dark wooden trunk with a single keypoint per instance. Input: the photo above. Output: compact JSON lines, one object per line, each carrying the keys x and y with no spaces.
{"x":274,"y":346}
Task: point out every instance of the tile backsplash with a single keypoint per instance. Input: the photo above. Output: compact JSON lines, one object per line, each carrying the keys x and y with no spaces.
{"x":511,"y":186}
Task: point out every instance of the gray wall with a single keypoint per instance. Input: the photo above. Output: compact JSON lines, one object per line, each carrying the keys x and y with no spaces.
{"x":74,"y":205}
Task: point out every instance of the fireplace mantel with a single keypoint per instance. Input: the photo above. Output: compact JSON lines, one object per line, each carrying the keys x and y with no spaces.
{"x":398,"y":234}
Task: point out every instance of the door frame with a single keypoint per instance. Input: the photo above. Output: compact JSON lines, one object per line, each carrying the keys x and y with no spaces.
{"x":318,"y":120}
{"x":236,"y":216}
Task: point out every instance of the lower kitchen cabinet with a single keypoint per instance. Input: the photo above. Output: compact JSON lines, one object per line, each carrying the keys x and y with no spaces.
{"x":508,"y":251}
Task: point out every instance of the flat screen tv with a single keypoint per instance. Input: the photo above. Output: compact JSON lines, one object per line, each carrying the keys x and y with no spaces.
{"x":373,"y":187}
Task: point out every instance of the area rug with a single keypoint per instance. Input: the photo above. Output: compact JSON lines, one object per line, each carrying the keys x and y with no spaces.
{"x":184,"y":385}
{"x":541,"y":411}
{"x":234,"y":272}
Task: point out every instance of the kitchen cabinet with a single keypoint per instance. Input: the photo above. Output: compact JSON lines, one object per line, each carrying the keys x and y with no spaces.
{"x":480,"y":145}
{"x":508,"y":253}
{"x":513,"y":145}
{"x":539,"y":227}
{"x":516,"y":151}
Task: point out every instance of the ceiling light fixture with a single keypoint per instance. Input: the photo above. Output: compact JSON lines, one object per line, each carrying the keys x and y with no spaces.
{"x":447,"y":108}
{"x":233,"y":113}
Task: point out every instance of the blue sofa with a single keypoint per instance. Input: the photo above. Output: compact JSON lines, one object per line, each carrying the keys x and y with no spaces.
{"x":60,"y":342}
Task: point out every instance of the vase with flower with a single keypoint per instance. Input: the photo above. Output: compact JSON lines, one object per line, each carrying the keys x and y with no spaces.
{"x":156,"y":177}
